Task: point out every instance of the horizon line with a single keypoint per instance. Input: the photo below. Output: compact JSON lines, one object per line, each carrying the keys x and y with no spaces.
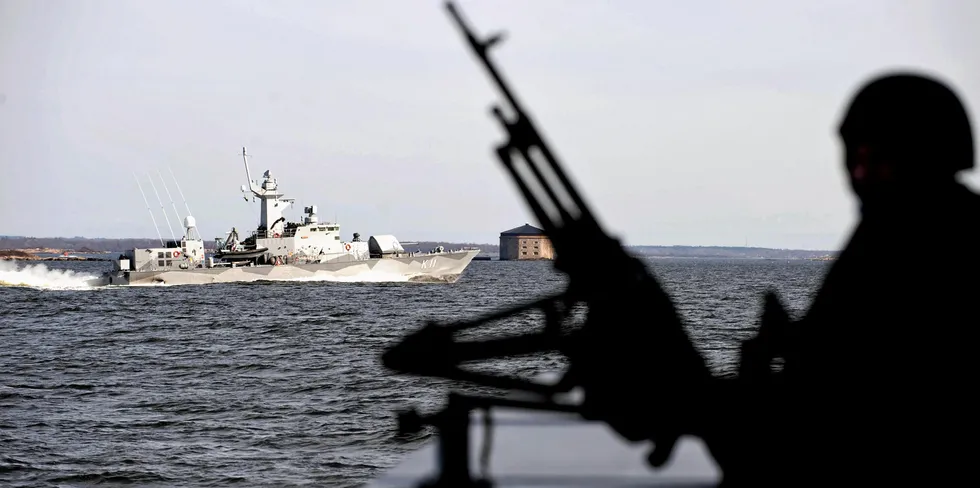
{"x":461,"y":242}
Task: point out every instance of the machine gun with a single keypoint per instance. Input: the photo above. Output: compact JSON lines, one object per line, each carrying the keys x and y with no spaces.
{"x":628,"y":311}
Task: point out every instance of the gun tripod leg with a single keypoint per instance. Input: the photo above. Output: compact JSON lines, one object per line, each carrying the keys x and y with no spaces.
{"x":453,"y":431}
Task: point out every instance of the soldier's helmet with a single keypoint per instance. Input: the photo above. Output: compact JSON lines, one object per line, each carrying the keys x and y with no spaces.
{"x":915,"y":118}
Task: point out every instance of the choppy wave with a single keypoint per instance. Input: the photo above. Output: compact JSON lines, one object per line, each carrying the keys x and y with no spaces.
{"x":276,"y":383}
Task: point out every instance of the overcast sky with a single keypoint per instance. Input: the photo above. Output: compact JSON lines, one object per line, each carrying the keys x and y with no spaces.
{"x":702,"y":123}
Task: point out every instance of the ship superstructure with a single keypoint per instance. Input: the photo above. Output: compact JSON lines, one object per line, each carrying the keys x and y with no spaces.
{"x":281,"y":250}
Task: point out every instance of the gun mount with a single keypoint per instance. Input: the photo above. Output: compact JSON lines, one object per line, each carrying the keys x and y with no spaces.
{"x":621,"y":287}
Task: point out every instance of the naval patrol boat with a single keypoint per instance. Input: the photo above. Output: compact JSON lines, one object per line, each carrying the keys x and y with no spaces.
{"x":281,"y":250}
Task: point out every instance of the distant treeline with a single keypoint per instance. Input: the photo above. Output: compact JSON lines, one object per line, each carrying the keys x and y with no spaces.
{"x":83,"y":244}
{"x":728,"y":252}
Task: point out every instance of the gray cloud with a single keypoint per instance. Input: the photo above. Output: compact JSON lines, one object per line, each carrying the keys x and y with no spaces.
{"x":685,"y":123}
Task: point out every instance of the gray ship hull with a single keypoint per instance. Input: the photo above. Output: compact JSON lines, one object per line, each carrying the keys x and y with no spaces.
{"x":439,"y":267}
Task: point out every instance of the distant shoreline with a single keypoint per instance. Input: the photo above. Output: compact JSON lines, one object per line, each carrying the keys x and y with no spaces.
{"x":83,"y":245}
{"x":732,"y":252}
{"x":34,"y":255}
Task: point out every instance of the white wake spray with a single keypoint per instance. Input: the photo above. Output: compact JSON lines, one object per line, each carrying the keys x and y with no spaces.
{"x":40,"y":276}
{"x":365,"y":277}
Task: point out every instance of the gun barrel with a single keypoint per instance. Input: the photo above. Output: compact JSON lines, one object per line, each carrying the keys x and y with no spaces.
{"x":480,"y":48}
{"x":574,"y":238}
{"x":523,"y":137}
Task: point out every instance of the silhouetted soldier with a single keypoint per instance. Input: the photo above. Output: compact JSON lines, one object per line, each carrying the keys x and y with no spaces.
{"x":876,"y":384}
{"x":881,"y":363}
{"x":877,"y":378}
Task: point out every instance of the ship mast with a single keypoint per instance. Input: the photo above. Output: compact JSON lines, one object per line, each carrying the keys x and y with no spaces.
{"x":268,"y":194}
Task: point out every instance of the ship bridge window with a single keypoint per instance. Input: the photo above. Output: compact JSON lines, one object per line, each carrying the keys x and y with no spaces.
{"x":321,"y":229}
{"x":160,"y":255}
{"x":336,"y":238}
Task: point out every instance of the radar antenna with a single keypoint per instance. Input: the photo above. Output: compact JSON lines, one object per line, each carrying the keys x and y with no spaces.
{"x":188,"y":207}
{"x":162,"y":208}
{"x":171,"y":197}
{"x":148,"y":209}
{"x":251,"y":187}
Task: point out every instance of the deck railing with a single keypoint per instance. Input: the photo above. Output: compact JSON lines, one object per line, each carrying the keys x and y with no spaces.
{"x":265,"y":234}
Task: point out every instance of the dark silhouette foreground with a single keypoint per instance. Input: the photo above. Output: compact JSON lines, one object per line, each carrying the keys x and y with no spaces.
{"x":876,"y":379}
